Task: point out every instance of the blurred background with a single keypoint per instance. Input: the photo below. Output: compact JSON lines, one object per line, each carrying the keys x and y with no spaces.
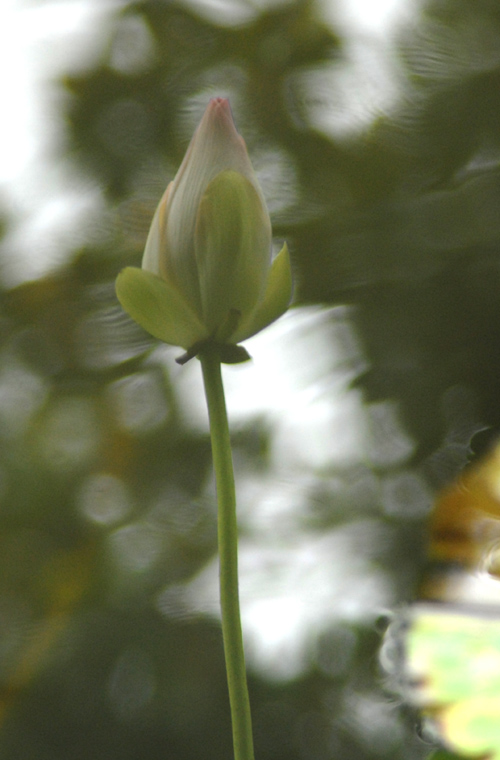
{"x":374,"y":131}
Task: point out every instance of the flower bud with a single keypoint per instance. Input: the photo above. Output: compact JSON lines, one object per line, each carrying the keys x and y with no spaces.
{"x":207,"y":274}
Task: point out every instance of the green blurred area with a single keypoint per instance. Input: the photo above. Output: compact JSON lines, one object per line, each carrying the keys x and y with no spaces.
{"x":454,"y":661}
{"x":106,"y":499}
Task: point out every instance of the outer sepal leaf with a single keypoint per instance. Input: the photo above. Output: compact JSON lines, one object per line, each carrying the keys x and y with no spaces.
{"x":276,"y":300}
{"x":233,"y":247}
{"x":227,"y":353}
{"x":230,"y":354}
{"x":158,"y":307}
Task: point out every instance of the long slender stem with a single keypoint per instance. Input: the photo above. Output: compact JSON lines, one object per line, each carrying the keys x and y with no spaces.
{"x":228,"y":558}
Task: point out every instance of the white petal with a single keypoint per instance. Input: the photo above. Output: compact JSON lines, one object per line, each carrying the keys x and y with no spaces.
{"x":155,"y":244}
{"x":215,"y":147}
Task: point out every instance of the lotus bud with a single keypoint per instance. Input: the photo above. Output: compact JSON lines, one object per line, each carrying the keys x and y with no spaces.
{"x":207,"y":275}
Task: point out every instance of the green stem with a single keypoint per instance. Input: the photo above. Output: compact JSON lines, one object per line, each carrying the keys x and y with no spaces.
{"x":228,"y":557}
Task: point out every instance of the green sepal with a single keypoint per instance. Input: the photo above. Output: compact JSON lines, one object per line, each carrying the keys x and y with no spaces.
{"x":232,"y":246}
{"x":276,"y":300}
{"x":226,"y":353}
{"x":230,"y":354}
{"x":228,"y":326}
{"x":158,"y":307}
